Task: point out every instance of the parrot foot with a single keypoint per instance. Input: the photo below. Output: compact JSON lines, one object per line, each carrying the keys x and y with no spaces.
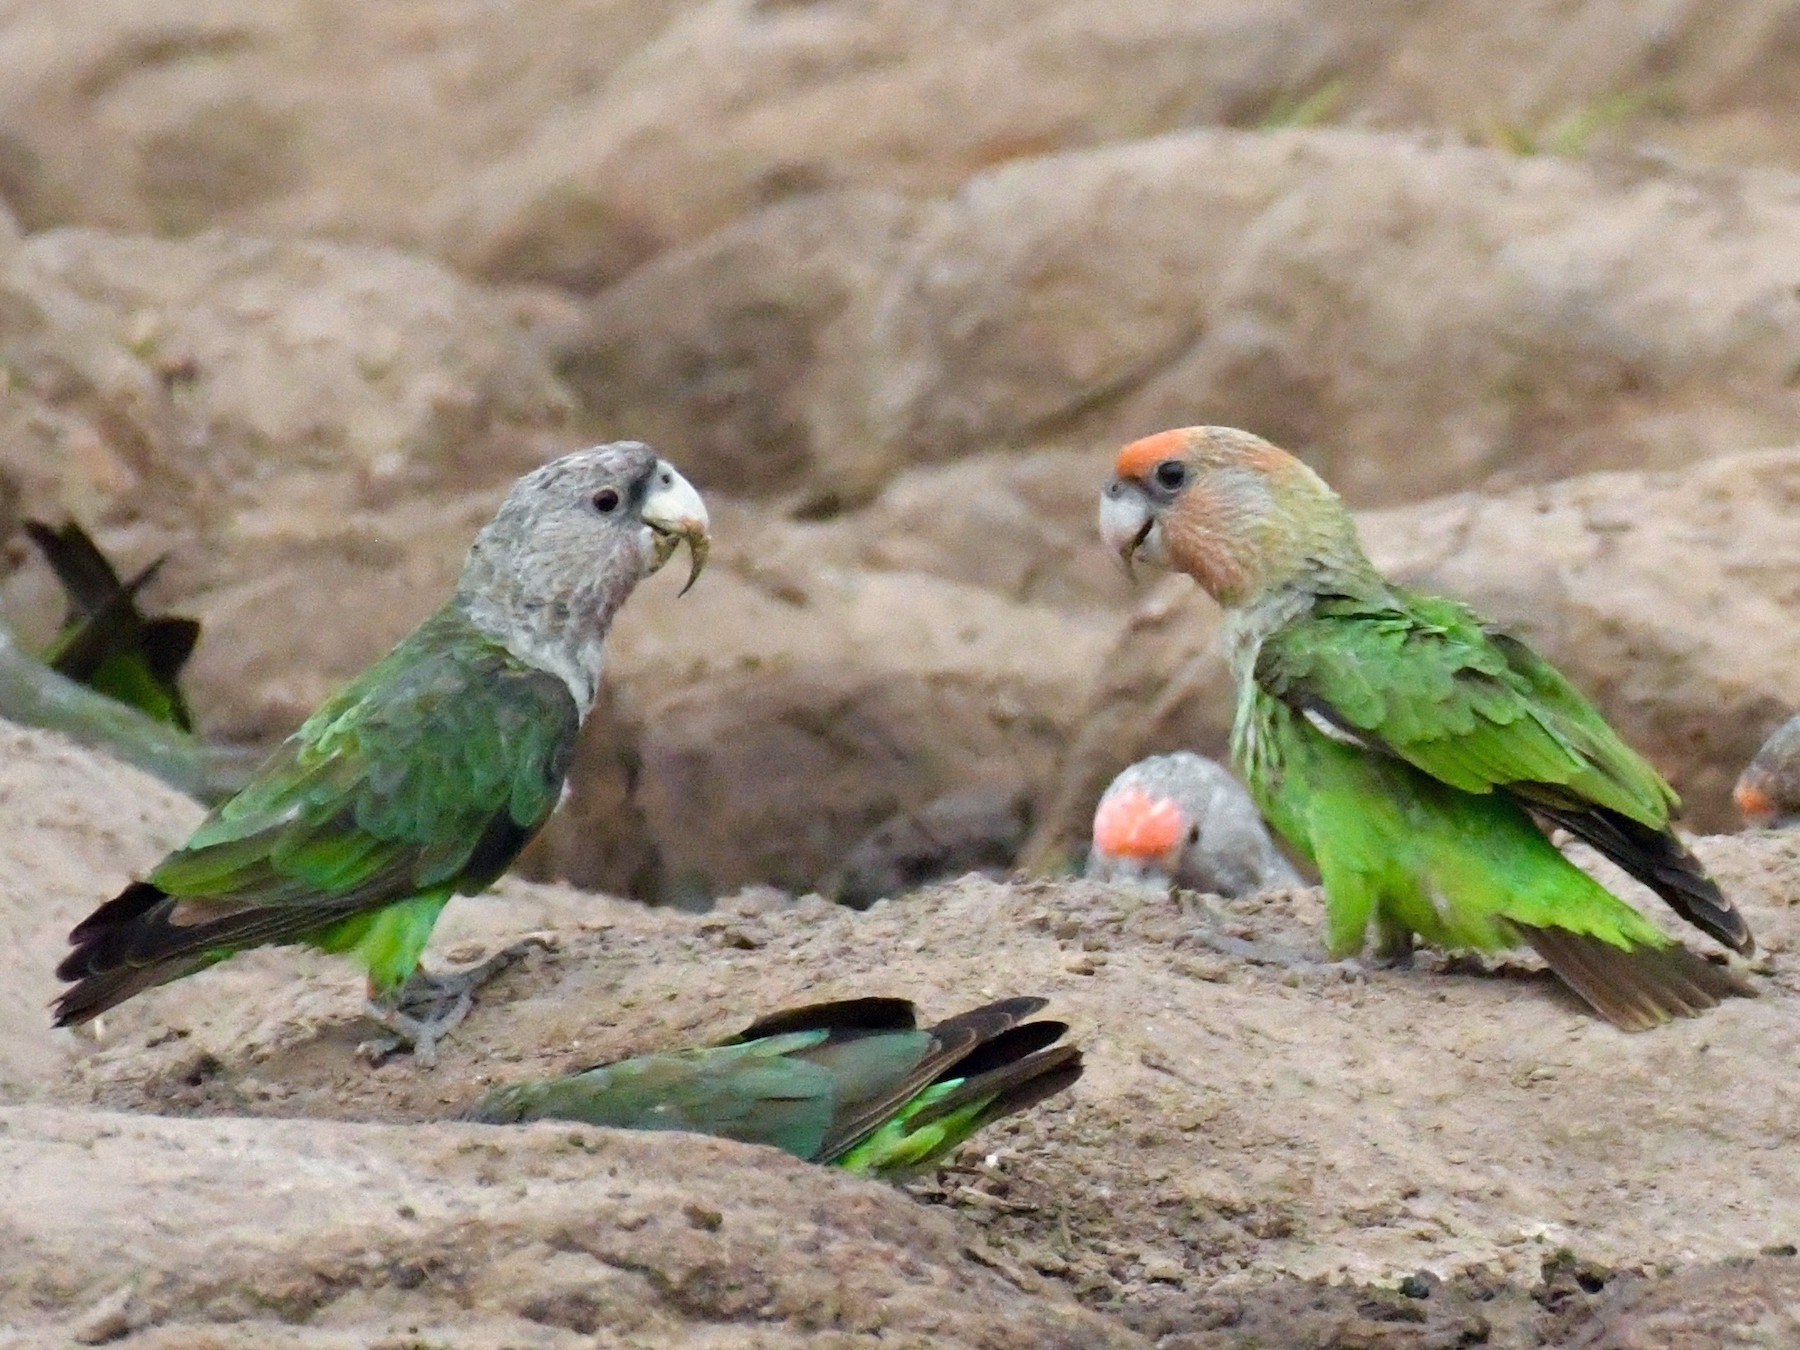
{"x":430,"y":1005}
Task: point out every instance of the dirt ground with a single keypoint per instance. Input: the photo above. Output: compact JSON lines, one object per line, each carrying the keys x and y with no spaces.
{"x":1257,"y":1155}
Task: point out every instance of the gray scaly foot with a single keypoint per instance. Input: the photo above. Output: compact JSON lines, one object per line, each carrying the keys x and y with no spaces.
{"x":430,"y":1005}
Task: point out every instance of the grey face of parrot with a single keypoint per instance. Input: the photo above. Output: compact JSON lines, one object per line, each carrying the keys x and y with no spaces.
{"x":572,"y":539}
{"x":1183,"y":819}
{"x":1768,"y":792}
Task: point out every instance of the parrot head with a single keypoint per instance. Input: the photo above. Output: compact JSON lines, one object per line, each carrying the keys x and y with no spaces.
{"x":1138,"y":835}
{"x":612,"y":514}
{"x":1232,"y":511}
{"x":1768,"y":791}
{"x":546,"y":575}
{"x":1182,"y":819}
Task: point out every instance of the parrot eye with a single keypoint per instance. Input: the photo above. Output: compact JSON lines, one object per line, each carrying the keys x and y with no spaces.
{"x":1171,"y":474}
{"x":1193,"y":834}
{"x":606,"y":501}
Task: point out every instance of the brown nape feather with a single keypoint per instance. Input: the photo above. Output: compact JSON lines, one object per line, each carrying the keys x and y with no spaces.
{"x":951,"y":1040}
{"x":1662,"y":862}
{"x":1638,"y":989}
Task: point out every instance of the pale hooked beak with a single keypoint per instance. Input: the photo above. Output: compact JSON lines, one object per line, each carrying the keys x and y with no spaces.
{"x":675,"y":515}
{"x":1127,"y":524}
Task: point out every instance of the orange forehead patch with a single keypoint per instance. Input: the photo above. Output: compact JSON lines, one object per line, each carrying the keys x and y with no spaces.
{"x":1750,"y":799}
{"x":1133,"y":824}
{"x":1141,"y":456}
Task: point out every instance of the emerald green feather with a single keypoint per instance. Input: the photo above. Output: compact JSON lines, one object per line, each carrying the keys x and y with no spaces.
{"x":854,"y":1084}
{"x":1408,"y":751}
{"x":422,"y":778}
{"x":1424,"y":678}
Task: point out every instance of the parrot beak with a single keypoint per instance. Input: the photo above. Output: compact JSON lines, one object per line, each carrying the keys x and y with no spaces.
{"x":676,"y":515}
{"x":1126,"y":521}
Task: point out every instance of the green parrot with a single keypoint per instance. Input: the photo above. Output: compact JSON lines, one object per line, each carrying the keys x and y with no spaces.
{"x":423,"y":777}
{"x":1414,"y":753}
{"x":106,"y":642}
{"x":856,"y":1084}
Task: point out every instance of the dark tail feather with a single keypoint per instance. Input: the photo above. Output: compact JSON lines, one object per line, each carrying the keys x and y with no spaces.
{"x":100,"y":961}
{"x":953,"y":1040}
{"x":1014,"y":1085}
{"x":129,"y":945}
{"x":848,"y":1014}
{"x":1638,"y":988}
{"x":167,"y":644}
{"x":113,"y":627}
{"x":85,"y":574}
{"x":94,"y":994}
{"x":1662,"y":862}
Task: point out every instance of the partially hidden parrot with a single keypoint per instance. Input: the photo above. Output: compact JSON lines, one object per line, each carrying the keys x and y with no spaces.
{"x":1183,"y":820}
{"x":857,"y":1084}
{"x":423,"y":777}
{"x":106,"y":641}
{"x":1768,"y":790}
{"x":1413,"y":752}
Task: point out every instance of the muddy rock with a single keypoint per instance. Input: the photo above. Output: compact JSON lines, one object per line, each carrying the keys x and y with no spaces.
{"x":321,"y":117}
{"x":975,"y":830}
{"x":1018,"y":523}
{"x":786,"y":712}
{"x":1413,"y":316}
{"x":1662,"y":595}
{"x":733,"y":106}
{"x":479,"y":1236}
{"x":79,"y":822}
{"x":311,"y":431}
{"x":1335,"y":269}
{"x":728,"y":348}
{"x":570,"y":142}
{"x":1744,"y":1303}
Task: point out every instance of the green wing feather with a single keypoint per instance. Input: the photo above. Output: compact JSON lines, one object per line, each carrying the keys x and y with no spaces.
{"x":853,"y":1083}
{"x":107,"y":643}
{"x":1428,"y":682}
{"x":423,"y":777}
{"x":1424,"y":681}
{"x":394,"y":785}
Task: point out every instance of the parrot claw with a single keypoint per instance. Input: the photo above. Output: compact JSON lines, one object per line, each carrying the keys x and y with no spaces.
{"x":419,"y":1034}
{"x":429,"y":1006}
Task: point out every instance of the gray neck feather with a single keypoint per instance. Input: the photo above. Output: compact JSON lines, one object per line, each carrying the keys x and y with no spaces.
{"x":548,"y":622}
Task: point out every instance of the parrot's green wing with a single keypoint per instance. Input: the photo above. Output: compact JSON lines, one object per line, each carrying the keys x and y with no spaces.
{"x":854,"y":1083}
{"x":106,"y":642}
{"x":424,"y":776}
{"x":1424,"y":680}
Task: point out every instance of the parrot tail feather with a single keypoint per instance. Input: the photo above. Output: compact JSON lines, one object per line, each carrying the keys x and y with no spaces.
{"x":1664,"y":864}
{"x":135,"y":942}
{"x":847,"y":1014}
{"x":86,"y":1000}
{"x":954,"y":1041}
{"x":1635,"y":988}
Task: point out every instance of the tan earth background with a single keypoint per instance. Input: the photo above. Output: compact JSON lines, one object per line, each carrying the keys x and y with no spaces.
{"x":290,"y":292}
